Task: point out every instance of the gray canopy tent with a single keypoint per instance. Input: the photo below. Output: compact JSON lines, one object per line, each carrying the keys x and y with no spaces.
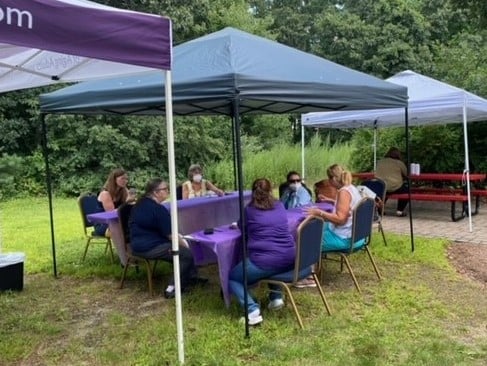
{"x":233,"y":73}
{"x":430,"y":102}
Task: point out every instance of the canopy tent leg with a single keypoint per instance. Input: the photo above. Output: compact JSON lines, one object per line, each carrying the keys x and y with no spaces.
{"x":49,"y":190}
{"x":408,"y":166}
{"x":238,"y":156}
{"x":467,"y":162}
{"x":174,"y":215}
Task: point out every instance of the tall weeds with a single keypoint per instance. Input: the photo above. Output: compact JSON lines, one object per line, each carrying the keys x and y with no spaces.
{"x":274,"y":164}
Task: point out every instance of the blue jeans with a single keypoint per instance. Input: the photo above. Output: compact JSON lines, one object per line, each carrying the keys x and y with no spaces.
{"x":254,"y":274}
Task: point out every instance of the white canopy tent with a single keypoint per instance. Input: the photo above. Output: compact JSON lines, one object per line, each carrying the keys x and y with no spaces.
{"x":44,"y":42}
{"x":430,"y":102}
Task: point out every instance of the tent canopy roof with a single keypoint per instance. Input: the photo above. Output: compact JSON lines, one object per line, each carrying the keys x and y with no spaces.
{"x":430,"y":102}
{"x":44,"y":42}
{"x":212,"y":72}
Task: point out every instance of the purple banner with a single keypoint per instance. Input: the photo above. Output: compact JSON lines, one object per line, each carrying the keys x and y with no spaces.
{"x":88,"y":29}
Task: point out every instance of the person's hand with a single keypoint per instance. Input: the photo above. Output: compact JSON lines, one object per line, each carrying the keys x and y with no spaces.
{"x":219,"y":192}
{"x":313,"y":211}
{"x":321,"y":197}
{"x":182,"y":242}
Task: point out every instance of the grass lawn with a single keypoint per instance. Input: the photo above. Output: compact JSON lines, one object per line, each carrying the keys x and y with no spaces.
{"x":421,"y":313}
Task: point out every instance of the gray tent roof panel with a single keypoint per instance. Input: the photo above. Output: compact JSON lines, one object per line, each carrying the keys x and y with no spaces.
{"x":430,"y":102}
{"x":211,"y":72}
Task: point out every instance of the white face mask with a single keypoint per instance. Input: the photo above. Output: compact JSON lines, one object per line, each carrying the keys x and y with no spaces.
{"x":197,"y":178}
{"x":295,"y":186}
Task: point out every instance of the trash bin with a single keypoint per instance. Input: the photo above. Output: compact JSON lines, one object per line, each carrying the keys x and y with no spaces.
{"x":12,"y":271}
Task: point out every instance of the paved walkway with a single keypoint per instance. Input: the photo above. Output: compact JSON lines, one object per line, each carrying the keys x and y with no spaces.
{"x":433,"y":219}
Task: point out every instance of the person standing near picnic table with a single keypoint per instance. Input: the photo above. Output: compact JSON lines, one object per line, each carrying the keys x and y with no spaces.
{"x":196,"y":186}
{"x":271,"y":248}
{"x":393,"y":172}
{"x":113,"y":194}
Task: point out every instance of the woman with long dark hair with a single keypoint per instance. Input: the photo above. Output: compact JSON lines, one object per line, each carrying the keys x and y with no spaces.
{"x":271,"y":248}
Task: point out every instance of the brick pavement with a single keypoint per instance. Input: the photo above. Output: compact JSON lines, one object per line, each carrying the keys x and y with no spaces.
{"x":433,"y":219}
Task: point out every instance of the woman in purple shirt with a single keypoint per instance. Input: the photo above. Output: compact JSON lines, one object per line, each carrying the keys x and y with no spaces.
{"x":271,"y":248}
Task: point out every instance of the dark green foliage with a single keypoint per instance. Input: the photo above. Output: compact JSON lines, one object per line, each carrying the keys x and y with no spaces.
{"x":443,"y":39}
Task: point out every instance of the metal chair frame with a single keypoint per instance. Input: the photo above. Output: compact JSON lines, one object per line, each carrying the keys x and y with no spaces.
{"x":91,"y":237}
{"x":363,"y":217}
{"x":308,"y":258}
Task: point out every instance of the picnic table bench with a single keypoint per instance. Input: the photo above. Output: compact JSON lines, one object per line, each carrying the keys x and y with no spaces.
{"x":452,"y":195}
{"x":445,"y":194}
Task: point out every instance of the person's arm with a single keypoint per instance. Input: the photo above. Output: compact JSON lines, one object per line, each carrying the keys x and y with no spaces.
{"x":106,"y":200}
{"x":404,"y":170}
{"x":323,"y":198}
{"x":185,"y":191}
{"x":212,"y":187}
{"x":342,"y":212}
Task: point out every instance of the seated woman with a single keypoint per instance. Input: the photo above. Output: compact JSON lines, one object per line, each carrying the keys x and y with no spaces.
{"x":393,"y":172}
{"x":196,"y":186}
{"x":150,"y":234}
{"x":325,"y":191}
{"x":271,"y":248}
{"x":337,"y":231}
{"x":295,"y":195}
{"x":114,"y":193}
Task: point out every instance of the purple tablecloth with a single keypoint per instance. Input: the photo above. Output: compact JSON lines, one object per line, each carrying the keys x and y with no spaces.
{"x":193,"y":215}
{"x":224,"y":246}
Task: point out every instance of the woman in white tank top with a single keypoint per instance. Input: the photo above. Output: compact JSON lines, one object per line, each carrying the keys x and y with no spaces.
{"x":337,"y":232}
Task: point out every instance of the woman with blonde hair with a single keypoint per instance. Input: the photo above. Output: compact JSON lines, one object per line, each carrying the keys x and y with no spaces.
{"x":337,"y":232}
{"x":325,"y":190}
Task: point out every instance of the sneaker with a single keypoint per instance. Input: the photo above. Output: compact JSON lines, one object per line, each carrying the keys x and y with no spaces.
{"x":170,"y":292}
{"x":307,"y":282}
{"x":254,"y":318}
{"x":275,"y":304}
{"x":401,"y":213}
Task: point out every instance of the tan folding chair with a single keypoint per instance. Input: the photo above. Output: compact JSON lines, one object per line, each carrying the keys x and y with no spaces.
{"x":88,"y":204}
{"x":308,"y":257}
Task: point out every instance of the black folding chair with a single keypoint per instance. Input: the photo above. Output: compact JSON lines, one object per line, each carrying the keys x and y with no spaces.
{"x":378,"y":186}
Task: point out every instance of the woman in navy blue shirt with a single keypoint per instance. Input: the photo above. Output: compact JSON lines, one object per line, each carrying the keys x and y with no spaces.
{"x":151,"y":234}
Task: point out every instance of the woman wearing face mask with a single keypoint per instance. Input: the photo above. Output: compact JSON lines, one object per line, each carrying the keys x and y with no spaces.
{"x":196,"y":186}
{"x":296,"y":194}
